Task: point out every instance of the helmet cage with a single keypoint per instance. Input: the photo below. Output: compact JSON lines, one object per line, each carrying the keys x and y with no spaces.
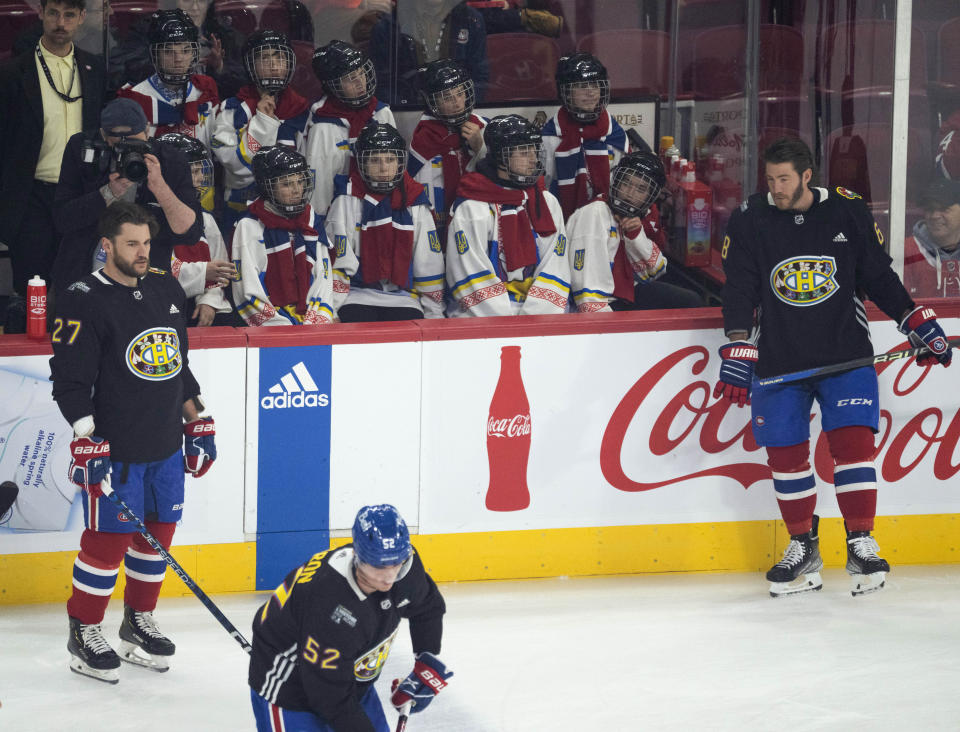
{"x":522,"y":178}
{"x":436,"y":98}
{"x":364,"y":157}
{"x":335,"y":86}
{"x":632,"y":191}
{"x":274,"y":83}
{"x":585,"y":115}
{"x":203,"y":167}
{"x":271,"y":189}
{"x":174,"y":78}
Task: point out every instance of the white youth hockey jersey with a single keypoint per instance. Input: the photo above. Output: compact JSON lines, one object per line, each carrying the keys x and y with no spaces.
{"x":192,"y":276}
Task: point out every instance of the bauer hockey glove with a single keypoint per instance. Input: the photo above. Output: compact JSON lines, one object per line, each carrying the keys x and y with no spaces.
{"x":427,"y":679}
{"x":199,"y":449}
{"x":922,"y":328}
{"x":736,"y":372}
{"x":90,"y":463}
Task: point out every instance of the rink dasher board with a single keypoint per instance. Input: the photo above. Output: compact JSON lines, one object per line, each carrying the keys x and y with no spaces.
{"x":623,"y":475}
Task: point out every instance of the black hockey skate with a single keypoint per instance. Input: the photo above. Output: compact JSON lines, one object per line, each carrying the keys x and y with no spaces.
{"x":868,"y":572}
{"x":90,"y":654}
{"x":142,"y":642}
{"x":799,"y":570}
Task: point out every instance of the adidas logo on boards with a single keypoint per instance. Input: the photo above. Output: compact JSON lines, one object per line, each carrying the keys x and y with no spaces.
{"x":295,"y":390}
{"x":840,"y":237}
{"x":173,"y":310}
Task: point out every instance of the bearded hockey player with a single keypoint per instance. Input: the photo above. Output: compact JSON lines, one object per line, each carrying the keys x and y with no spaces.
{"x":321,"y":641}
{"x":389,"y":260}
{"x":448,"y":139}
{"x":348,"y":104}
{"x":280,"y":249}
{"x":582,"y":141}
{"x":506,"y":244}
{"x":802,"y":256}
{"x":264,"y":113}
{"x":175,"y":99}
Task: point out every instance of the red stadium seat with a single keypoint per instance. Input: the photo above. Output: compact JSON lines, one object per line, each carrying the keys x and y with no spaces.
{"x":15,"y":16}
{"x":305,"y":82}
{"x":127,"y":12}
{"x":522,"y":67}
{"x":719,"y":69}
{"x":948,"y":52}
{"x":637,"y":60}
{"x":236,"y":15}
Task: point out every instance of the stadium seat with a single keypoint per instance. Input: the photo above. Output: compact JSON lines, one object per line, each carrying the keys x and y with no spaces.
{"x":236,"y":14}
{"x":522,"y":67}
{"x":127,"y":12}
{"x":15,"y":16}
{"x":638,"y":61}
{"x":305,"y":81}
{"x":948,"y":52}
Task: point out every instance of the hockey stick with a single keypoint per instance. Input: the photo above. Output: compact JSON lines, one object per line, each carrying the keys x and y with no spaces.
{"x":174,"y":565}
{"x":850,"y":365}
{"x":637,"y":142}
{"x":404,"y":715}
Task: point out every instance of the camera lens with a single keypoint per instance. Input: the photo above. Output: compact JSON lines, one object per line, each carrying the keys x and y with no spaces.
{"x":134,"y":167}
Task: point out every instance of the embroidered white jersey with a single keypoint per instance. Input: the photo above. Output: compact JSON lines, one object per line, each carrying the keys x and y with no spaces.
{"x":425,"y":291}
{"x":552,"y":141}
{"x":249,"y":292}
{"x":476,"y":265}
{"x":192,"y":276}
{"x":326,"y":145}
{"x":160,"y":109}
{"x":594,"y":236}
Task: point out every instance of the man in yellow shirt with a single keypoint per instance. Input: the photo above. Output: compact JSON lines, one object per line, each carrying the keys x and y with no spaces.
{"x":46,"y":95}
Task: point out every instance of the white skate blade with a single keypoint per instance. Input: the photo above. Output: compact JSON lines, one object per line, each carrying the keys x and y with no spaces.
{"x":809,"y":582}
{"x":864,"y":584}
{"x":110,"y":675}
{"x":132,"y":653}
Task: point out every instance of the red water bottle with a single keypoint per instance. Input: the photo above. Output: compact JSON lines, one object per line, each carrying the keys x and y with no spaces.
{"x":37,"y":308}
{"x":508,"y":437}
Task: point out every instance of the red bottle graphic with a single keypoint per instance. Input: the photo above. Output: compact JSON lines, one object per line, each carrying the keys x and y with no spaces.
{"x":508,"y":437}
{"x":37,"y":308}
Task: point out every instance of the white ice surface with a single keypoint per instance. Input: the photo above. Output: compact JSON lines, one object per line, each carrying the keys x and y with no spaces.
{"x":654,"y":652}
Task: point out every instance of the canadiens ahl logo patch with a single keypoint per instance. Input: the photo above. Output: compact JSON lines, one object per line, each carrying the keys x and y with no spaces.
{"x":154,"y":355}
{"x":803,"y":281}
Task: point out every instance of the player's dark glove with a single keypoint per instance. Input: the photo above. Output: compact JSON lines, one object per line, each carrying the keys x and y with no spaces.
{"x":428,"y":677}
{"x":736,"y":372}
{"x":199,"y":449}
{"x":922,"y":328}
{"x":90,"y":463}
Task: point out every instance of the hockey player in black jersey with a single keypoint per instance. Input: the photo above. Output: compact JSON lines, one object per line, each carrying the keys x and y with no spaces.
{"x":121,"y":377}
{"x":321,"y":640}
{"x":804,"y":257}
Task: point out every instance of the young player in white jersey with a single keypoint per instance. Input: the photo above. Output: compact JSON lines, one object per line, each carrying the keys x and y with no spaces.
{"x":335,"y":120}
{"x":389,"y":263}
{"x":506,"y":244}
{"x":280,"y":249}
{"x":175,"y":99}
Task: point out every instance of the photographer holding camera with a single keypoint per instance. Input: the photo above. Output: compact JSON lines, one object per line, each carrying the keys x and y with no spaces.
{"x":121,"y":164}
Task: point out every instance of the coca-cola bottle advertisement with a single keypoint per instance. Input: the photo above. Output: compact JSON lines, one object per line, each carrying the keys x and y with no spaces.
{"x":508,"y":437}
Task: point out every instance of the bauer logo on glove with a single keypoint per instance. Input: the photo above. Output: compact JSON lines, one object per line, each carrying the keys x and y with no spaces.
{"x":90,"y":463}
{"x":199,"y":448}
{"x":428,"y":678}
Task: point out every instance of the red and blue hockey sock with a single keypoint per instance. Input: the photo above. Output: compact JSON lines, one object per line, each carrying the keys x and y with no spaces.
{"x":795,"y":485}
{"x":145,"y":568}
{"x":95,"y":574}
{"x":854,"y":475}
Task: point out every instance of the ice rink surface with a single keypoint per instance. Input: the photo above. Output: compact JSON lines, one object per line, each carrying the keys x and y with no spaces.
{"x":651,"y":652}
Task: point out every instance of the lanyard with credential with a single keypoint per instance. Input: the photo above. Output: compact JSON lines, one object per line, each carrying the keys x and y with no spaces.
{"x":65,"y":97}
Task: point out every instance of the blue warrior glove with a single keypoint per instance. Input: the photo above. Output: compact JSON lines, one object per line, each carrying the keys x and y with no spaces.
{"x":428,"y":677}
{"x":922,"y":328}
{"x":736,"y":372}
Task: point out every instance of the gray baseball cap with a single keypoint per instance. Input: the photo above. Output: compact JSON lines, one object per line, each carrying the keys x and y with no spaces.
{"x":122,"y":117}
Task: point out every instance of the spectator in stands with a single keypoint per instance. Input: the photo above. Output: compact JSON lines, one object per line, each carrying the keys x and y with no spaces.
{"x":336,"y":19}
{"x":95,"y":175}
{"x":420,"y":31}
{"x":203,"y":268}
{"x":523,"y":16}
{"x":174,"y":98}
{"x":615,"y":265}
{"x":931,"y":257}
{"x":280,"y":249}
{"x":582,"y":141}
{"x":389,"y":260}
{"x":221,"y":46}
{"x":448,"y":139}
{"x":506,"y":244}
{"x":265,"y":112}
{"x":47,"y":94}
{"x":335,"y":121}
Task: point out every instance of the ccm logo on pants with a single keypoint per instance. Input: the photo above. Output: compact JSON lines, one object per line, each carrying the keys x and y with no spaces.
{"x":855,"y":401}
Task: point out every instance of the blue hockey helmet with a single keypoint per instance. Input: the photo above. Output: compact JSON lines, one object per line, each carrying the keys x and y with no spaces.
{"x":380,"y":536}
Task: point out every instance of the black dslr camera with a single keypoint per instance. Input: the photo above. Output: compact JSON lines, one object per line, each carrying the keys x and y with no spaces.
{"x":125,"y":157}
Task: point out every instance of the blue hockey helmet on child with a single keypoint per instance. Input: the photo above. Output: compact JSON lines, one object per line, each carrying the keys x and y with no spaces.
{"x":380,"y":536}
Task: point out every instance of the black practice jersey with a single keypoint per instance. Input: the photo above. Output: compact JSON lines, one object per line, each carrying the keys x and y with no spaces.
{"x":320,"y":642}
{"x":806,"y":274}
{"x":120,"y":355}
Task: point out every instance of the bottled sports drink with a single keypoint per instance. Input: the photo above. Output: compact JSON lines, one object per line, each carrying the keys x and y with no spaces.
{"x":37,"y":308}
{"x":508,"y":437}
